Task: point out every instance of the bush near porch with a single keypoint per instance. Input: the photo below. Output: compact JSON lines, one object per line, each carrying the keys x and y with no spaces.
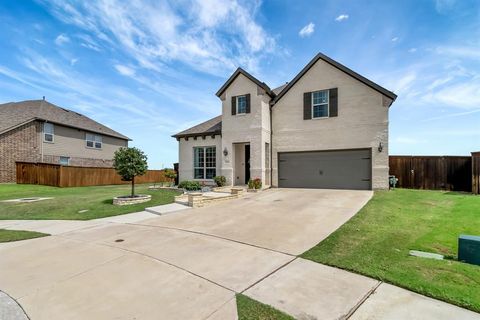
{"x":376,"y":243}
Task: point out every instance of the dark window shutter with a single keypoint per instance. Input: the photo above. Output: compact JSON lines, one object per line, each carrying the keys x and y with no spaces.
{"x":248,"y":102}
{"x":307,"y":106}
{"x":234,"y":106}
{"x":333,"y":102}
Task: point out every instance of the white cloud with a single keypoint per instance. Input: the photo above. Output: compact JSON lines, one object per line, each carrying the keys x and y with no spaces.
{"x":124,"y":70}
{"x":73,"y":61}
{"x":394,"y":39}
{"x":412,"y":50}
{"x":443,"y":6}
{"x":62,"y":39}
{"x":342,"y":17}
{"x":307,"y":30}
{"x":212,"y":36}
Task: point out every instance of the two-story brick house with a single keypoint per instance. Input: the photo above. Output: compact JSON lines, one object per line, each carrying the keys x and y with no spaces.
{"x":327,"y":128}
{"x":39,"y":131}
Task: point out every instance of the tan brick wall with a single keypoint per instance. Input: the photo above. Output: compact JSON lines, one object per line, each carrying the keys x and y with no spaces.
{"x":20,"y":144}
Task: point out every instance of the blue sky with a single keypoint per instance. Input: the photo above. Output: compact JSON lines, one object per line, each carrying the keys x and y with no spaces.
{"x":149,"y":69}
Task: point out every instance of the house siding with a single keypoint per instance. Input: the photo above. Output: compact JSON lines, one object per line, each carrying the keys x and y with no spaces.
{"x":362,"y":121}
{"x":71,"y":142}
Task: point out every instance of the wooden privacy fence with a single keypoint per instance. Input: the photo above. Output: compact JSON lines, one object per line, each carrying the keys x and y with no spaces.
{"x":476,"y":172}
{"x":69,"y":176}
{"x":433,"y":172}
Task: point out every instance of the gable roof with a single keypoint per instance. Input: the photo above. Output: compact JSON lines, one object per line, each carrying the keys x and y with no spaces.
{"x":239,"y":71}
{"x":209,"y":127}
{"x":15,"y":114}
{"x":339,"y":66}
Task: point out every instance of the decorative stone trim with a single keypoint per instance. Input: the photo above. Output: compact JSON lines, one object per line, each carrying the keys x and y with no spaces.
{"x":126,"y":200}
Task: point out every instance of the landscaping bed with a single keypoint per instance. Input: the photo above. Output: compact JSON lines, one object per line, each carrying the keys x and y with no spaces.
{"x":78,"y":203}
{"x":376,"y":243}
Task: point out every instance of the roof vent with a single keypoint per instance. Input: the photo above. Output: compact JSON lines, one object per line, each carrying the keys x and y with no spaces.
{"x":43,"y":98}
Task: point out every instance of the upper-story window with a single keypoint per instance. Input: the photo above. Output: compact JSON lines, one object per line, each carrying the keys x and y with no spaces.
{"x":48,"y":132}
{"x":320,"y":104}
{"x":241,"y":104}
{"x":93,"y":141}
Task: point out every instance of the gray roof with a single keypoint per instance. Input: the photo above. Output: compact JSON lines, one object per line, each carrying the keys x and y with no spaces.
{"x":279,"y":89}
{"x":239,"y":71}
{"x":209,"y":127}
{"x":14,"y":114}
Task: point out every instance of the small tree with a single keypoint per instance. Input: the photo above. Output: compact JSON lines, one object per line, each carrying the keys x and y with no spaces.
{"x":129,"y":163}
{"x":170,"y":174}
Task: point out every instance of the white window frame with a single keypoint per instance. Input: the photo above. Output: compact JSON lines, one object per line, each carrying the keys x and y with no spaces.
{"x":45,"y":124}
{"x":238,"y":105}
{"x":204,"y":167}
{"x":321,"y":104}
{"x":60,"y":160}
{"x":96,"y":138}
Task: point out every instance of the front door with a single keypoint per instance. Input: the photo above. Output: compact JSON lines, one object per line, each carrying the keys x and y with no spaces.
{"x":247,"y":163}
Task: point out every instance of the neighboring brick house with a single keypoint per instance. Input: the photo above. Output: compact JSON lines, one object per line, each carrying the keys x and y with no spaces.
{"x":327,"y":128}
{"x":39,"y":131}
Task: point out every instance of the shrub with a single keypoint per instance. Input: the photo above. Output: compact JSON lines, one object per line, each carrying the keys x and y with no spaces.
{"x":189,"y":185}
{"x":255,"y":183}
{"x":220,"y":181}
{"x":170,"y":174}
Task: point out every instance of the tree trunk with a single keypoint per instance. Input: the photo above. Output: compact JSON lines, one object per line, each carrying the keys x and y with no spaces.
{"x":133,"y":187}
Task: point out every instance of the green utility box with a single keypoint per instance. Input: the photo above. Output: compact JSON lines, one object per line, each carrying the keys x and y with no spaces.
{"x":469,"y":249}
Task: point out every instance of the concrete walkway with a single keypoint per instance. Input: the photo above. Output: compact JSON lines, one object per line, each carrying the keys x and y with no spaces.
{"x":190,"y":264}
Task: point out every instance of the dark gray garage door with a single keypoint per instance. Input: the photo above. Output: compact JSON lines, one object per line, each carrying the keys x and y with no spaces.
{"x":345,"y":169}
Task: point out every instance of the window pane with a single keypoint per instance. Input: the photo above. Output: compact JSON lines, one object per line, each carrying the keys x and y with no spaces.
{"x":64,"y":161}
{"x":210,"y":158}
{"x":90,"y":144}
{"x":98,"y":138}
{"x":198,"y":173}
{"x":48,"y":128}
{"x":198,"y":160}
{"x":210,"y":173}
{"x":320,"y":97}
{"x":48,"y":137}
{"x":320,"y":111}
{"x":241,"y":104}
{"x":98,"y":145}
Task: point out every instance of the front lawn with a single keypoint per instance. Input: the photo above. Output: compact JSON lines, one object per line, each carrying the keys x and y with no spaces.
{"x":71,"y":203}
{"x":16,"y":235}
{"x":249,"y":309}
{"x":377,"y":240}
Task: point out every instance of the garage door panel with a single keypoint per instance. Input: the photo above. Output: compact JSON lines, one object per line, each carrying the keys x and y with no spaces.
{"x":346,"y":169}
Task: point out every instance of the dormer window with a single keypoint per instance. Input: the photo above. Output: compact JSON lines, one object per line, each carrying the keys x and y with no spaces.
{"x":241,"y":104}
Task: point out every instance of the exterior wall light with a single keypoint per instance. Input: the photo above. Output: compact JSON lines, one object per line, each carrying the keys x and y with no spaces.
{"x":380,"y":147}
{"x":225,"y":152}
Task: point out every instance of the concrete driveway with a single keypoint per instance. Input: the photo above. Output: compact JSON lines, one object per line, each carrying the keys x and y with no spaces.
{"x":190,"y":264}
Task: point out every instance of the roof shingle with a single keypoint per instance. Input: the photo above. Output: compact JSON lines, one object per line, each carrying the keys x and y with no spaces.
{"x":212,"y":126}
{"x":13,"y":114}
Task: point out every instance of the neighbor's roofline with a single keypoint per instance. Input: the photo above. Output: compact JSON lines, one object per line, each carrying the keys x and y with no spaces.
{"x":239,"y":71}
{"x":62,"y":124}
{"x":339,"y":66}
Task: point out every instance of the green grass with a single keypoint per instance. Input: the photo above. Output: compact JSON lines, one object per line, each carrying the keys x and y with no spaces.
{"x":377,"y":240}
{"x":67,"y":202}
{"x":249,"y":309}
{"x":16,"y":235}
